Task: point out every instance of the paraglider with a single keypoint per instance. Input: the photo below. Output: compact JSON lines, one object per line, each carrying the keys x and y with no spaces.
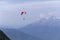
{"x":23,"y":13}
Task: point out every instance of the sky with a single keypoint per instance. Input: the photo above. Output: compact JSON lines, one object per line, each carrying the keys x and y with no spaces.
{"x":36,"y":10}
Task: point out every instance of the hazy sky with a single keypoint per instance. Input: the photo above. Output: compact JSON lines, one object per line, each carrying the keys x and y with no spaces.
{"x":10,"y":11}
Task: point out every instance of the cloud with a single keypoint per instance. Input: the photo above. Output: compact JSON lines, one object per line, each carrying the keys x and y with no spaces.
{"x":34,"y":5}
{"x":10,"y":13}
{"x":19,"y":1}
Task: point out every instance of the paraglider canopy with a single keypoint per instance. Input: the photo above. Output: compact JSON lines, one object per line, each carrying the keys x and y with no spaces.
{"x":23,"y":12}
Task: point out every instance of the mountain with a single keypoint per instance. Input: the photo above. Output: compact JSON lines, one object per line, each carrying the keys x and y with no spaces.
{"x":14,"y":34}
{"x":44,"y":29}
{"x":3,"y":36}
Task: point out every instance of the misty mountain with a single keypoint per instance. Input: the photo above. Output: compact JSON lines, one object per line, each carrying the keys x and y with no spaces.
{"x":41,"y":30}
{"x":14,"y":34}
{"x":44,"y":29}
